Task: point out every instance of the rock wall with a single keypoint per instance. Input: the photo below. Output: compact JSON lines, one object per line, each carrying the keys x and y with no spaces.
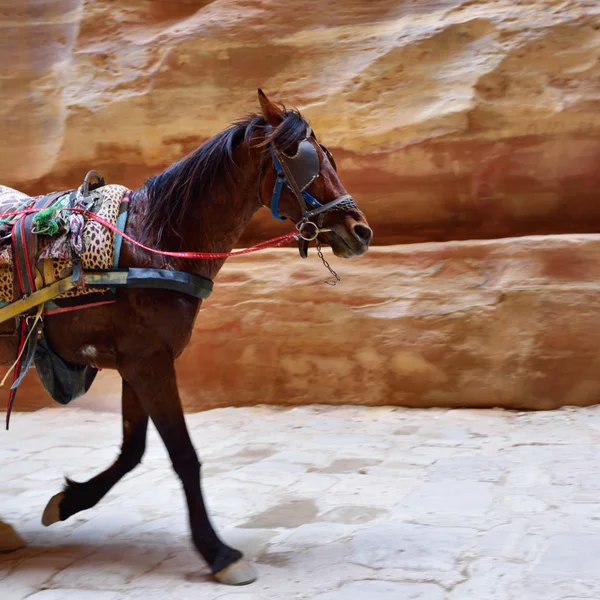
{"x":509,"y":323}
{"x":450,"y":119}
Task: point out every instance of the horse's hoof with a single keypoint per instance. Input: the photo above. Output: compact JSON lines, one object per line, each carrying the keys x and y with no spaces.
{"x":241,"y":572}
{"x":52,"y":510}
{"x":10,"y":540}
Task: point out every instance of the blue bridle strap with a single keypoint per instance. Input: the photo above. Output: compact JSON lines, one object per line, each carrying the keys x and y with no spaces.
{"x":275,"y":198}
{"x":281,"y":180}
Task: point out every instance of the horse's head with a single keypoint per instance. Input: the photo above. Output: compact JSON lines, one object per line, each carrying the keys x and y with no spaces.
{"x":301,"y":184}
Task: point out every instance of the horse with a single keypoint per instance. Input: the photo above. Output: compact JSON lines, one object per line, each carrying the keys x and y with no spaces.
{"x":202,"y":202}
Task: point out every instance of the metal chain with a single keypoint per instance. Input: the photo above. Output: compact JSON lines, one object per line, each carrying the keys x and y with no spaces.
{"x":337,"y":278}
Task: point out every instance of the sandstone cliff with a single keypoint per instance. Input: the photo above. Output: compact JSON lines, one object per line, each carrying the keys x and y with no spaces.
{"x":492,"y":323}
{"x":450,"y":119}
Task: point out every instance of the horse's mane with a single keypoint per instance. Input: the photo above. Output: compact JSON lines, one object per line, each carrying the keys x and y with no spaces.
{"x":192,"y":178}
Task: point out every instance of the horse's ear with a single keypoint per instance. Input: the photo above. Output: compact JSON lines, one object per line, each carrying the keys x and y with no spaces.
{"x":271,"y":112}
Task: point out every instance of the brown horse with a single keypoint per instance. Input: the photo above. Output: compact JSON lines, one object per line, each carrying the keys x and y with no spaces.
{"x":203,"y":203}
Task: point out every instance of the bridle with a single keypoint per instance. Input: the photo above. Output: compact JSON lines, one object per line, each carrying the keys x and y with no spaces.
{"x":297,"y":172}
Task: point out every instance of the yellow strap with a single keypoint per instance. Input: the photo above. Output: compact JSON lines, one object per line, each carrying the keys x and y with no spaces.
{"x":42,"y":296}
{"x":14,"y":309}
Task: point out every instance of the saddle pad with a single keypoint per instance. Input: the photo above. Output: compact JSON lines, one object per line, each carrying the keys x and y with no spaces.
{"x":10,"y":198}
{"x":97,"y":255}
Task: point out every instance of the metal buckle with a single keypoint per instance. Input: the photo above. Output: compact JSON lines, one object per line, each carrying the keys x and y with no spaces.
{"x":310,"y":237}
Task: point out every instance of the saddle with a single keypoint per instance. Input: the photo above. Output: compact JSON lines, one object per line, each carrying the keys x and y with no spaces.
{"x":39,"y":255}
{"x":42,"y":266}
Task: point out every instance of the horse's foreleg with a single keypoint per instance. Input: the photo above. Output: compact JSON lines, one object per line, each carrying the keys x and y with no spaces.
{"x":81,"y":496}
{"x":153,"y":378}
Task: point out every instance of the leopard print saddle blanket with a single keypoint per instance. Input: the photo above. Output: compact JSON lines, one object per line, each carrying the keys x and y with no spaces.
{"x":71,"y":235}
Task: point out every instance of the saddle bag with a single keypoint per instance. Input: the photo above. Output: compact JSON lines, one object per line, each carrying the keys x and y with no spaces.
{"x":64,"y":381}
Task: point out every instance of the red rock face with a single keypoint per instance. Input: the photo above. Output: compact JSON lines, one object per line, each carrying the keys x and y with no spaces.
{"x":449,"y":120}
{"x":480,"y":324}
{"x":502,"y":323}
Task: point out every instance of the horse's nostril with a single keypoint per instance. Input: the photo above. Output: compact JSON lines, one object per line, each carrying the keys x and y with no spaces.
{"x":363,"y":233}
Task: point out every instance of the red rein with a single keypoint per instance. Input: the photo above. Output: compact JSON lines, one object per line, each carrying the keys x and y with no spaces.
{"x":275,"y":242}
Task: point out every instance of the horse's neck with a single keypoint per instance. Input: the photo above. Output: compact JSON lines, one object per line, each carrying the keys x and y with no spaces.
{"x":212,"y":224}
{"x":218,"y":226}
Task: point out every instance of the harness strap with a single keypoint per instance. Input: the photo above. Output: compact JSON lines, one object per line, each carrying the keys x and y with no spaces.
{"x":17,"y":369}
{"x":25,"y":356}
{"x":26,"y":359}
{"x":121,"y":223}
{"x":275,"y":197}
{"x":27,"y":303}
{"x":320,"y":208}
{"x":176,"y":281}
{"x":24,"y":248}
{"x":24,"y":244}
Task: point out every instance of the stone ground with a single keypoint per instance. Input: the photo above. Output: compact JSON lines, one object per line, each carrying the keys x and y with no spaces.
{"x":331,"y":503}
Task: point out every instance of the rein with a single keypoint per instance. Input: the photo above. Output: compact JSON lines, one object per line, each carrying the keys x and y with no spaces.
{"x":274,"y":242}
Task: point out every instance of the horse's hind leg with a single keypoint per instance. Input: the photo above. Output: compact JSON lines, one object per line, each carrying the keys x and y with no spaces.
{"x":81,"y":496}
{"x":156,"y":386}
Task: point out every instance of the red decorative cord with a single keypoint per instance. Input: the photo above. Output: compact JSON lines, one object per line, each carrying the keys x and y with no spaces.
{"x":274,"y":242}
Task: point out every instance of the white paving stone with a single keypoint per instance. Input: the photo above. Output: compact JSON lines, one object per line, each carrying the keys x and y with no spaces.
{"x":448,"y":502}
{"x":330,"y":503}
{"x":384,"y":590}
{"x":411,"y":547}
{"x":74,"y":594}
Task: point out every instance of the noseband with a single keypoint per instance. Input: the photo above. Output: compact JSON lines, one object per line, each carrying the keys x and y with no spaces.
{"x":297,"y":172}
